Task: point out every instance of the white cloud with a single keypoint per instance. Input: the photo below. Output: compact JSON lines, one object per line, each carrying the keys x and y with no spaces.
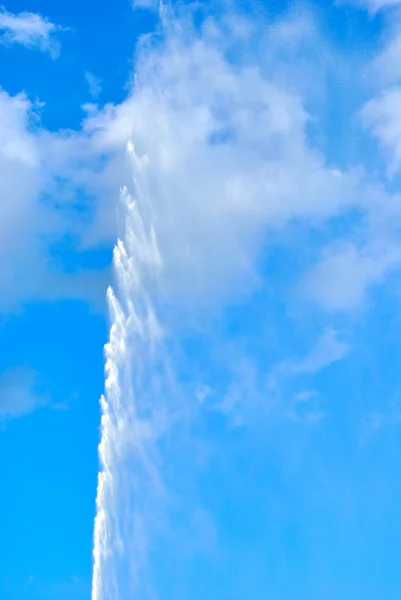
{"x":95,"y":85}
{"x":30,"y":30}
{"x":342,"y":277}
{"x":349,"y":268}
{"x":20,"y":393}
{"x":328,"y":349}
{"x":145,"y":4}
{"x":374,"y":6}
{"x":386,"y":68}
{"x":307,"y":407}
{"x":382,"y":116}
{"x":223,"y":151}
{"x":227,"y":158}
{"x":37,"y":211}
{"x":351,"y":265}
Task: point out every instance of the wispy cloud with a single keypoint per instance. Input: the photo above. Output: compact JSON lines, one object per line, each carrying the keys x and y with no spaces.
{"x":307,"y":407}
{"x":30,"y":30}
{"x":146,"y":4}
{"x":328,"y":349}
{"x":95,"y":85}
{"x":342,"y":278}
{"x":381,"y":116}
{"x":371,"y":6}
{"x":21,"y":392}
{"x":374,"y":6}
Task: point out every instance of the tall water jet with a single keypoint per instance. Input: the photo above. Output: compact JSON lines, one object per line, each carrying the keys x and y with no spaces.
{"x":129,"y":405}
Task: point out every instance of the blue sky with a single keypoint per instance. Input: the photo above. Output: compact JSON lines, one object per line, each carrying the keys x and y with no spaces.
{"x":263,"y":145}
